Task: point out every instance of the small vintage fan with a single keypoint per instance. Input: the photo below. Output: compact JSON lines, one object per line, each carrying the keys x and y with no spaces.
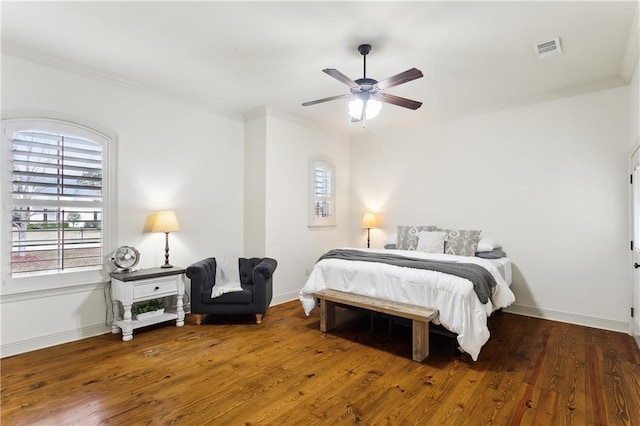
{"x":364,"y":90}
{"x":125,"y":258}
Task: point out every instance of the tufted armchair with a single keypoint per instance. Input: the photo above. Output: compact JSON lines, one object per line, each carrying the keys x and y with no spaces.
{"x":255,"y":297}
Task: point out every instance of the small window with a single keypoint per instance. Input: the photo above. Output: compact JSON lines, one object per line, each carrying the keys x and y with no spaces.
{"x":322,"y":209}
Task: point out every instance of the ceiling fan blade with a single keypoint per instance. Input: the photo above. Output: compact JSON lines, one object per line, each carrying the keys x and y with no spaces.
{"x":341,"y":77}
{"x":332,"y":98}
{"x":397,"y":100}
{"x":403,"y":77}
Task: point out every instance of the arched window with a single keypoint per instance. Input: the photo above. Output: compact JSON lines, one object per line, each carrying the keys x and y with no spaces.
{"x":57,"y":201}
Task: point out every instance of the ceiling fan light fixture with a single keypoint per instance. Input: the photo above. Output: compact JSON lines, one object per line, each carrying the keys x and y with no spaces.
{"x":355,"y":108}
{"x":371,"y":108}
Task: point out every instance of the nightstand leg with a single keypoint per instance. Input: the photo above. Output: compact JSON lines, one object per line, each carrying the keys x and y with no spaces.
{"x":116,"y":316}
{"x":127,"y":331}
{"x":180,"y":312}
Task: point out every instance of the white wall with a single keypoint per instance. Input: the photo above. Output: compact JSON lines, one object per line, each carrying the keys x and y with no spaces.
{"x":255,"y":187}
{"x":549,"y":181}
{"x":169,"y":156}
{"x":290,"y":145}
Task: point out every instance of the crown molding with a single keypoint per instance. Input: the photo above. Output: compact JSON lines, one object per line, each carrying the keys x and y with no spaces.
{"x":450,"y":116}
{"x":10,"y":49}
{"x":254,"y":113}
{"x":632,"y":52}
{"x":267,"y":111}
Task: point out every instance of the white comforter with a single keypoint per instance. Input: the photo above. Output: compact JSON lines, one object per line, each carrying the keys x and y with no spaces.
{"x":460,"y":309}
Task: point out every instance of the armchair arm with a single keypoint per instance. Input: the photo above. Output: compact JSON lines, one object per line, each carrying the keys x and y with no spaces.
{"x":203,"y":277}
{"x":266,"y":267}
{"x":262,"y":282}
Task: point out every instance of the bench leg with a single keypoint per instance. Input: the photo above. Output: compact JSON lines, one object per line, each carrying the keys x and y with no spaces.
{"x":420,"y":340}
{"x":327,"y":315}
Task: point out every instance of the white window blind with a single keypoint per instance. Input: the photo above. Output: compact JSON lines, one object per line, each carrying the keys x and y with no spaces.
{"x":322,"y":192}
{"x":57,"y":203}
{"x":322,"y":197}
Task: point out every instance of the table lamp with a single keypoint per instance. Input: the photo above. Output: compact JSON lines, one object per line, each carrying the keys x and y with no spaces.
{"x":165,"y":221}
{"x":369,"y":220}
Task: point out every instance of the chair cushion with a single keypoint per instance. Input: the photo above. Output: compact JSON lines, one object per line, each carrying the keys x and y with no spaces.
{"x":246,"y":269}
{"x":234,"y":298}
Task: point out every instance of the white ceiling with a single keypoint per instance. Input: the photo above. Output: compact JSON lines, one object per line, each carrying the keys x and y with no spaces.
{"x":234,"y":57}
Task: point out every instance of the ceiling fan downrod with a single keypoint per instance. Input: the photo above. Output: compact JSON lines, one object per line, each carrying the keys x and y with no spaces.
{"x":364,"y":50}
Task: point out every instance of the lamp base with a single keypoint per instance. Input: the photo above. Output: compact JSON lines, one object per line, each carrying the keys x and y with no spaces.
{"x":166,"y":251}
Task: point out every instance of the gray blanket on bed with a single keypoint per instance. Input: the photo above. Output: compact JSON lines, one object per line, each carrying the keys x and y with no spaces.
{"x":482,"y":279}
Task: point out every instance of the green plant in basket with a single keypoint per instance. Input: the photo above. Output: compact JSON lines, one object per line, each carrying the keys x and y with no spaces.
{"x":148,"y":306}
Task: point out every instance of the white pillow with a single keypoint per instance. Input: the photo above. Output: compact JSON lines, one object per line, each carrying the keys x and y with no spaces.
{"x":391,"y":239}
{"x":487,"y":244}
{"x":431,"y":242}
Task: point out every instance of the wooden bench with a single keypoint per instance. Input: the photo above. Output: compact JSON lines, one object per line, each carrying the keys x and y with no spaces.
{"x":420,"y":316}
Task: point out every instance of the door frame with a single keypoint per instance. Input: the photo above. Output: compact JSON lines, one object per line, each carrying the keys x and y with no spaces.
{"x":634,"y":192}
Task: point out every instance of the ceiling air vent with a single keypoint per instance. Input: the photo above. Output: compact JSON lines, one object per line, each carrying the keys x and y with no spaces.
{"x":548,"y":48}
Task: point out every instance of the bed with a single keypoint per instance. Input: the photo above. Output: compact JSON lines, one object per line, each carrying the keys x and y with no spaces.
{"x":460,"y":308}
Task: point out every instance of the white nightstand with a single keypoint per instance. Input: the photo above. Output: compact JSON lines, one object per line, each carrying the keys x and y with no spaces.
{"x":138,"y":286}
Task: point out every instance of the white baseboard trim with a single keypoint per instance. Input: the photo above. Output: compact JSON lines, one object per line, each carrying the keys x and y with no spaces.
{"x":284,"y":298}
{"x":529,"y":311}
{"x":578,"y":319}
{"x":29,"y":345}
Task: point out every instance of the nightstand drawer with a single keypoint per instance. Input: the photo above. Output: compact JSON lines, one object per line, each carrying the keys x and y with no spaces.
{"x":155,"y":289}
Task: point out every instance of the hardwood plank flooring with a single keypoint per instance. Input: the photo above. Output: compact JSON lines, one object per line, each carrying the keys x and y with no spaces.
{"x":286,"y":372}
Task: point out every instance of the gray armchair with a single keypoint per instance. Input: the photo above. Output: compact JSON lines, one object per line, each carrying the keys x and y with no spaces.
{"x":257,"y":288}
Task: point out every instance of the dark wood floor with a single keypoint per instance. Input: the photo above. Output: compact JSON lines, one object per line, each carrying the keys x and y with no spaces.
{"x":285,"y":371}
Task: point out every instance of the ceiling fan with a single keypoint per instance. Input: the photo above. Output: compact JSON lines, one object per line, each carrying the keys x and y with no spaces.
{"x":367,"y":91}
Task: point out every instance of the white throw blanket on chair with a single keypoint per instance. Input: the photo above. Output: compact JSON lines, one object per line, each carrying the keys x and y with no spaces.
{"x":227,"y":276}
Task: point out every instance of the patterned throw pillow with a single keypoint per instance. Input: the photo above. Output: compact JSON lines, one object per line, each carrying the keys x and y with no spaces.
{"x":461,"y":242}
{"x":408,"y":236}
{"x":431,"y":242}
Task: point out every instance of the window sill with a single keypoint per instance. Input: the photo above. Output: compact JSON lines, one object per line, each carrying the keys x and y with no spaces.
{"x":14,"y":289}
{"x":320,"y":227}
{"x":17,"y":295}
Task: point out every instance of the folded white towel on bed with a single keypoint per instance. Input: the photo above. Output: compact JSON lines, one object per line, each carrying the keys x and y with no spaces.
{"x":227,"y":276}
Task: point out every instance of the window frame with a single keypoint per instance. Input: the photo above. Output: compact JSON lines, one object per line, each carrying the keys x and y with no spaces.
{"x":316,"y":222}
{"x":57,"y":123}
